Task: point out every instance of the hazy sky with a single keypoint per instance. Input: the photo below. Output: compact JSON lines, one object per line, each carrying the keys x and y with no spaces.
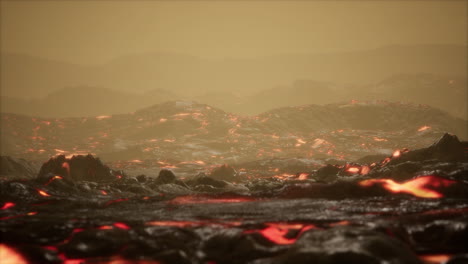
{"x":97,"y":31}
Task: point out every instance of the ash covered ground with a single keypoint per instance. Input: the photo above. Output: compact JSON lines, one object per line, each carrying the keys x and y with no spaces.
{"x":344,"y":183}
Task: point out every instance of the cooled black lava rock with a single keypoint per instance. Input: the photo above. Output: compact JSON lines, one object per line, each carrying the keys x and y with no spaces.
{"x":96,"y":243}
{"x":231,"y":246}
{"x":327,"y":173}
{"x":224,"y":172}
{"x":345,"y":245}
{"x":78,"y":168}
{"x":166,"y":176}
{"x":202,"y":179}
{"x":447,"y":148}
{"x":16,"y":168}
{"x":440,"y":235}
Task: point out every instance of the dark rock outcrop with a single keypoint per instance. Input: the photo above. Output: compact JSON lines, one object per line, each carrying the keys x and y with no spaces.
{"x":16,"y":168}
{"x":78,"y":168}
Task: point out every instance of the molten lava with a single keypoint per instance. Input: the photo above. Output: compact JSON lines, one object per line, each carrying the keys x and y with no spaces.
{"x":10,"y":256}
{"x":303,"y":176}
{"x":432,"y":259}
{"x":423,"y":128}
{"x":396,"y":154}
{"x":353,"y":170}
{"x":421,"y":187}
{"x":122,"y":226}
{"x":277,"y":232}
{"x":56,"y":177}
{"x":43,"y":193}
{"x":66,"y":166}
{"x":7,"y":205}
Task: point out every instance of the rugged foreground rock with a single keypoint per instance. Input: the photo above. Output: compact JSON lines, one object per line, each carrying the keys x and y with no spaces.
{"x":411,"y":207}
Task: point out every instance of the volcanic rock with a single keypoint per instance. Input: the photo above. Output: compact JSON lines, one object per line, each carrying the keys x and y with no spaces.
{"x":345,"y":245}
{"x":202,"y":179}
{"x":77,"y":168}
{"x":224,"y":172}
{"x":327,"y":173}
{"x":17,"y":168}
{"x":165,"y":176}
{"x":447,"y":148}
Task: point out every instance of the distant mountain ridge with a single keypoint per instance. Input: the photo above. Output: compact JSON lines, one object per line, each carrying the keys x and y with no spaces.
{"x":85,"y":101}
{"x":26,"y":76}
{"x":445,"y":92}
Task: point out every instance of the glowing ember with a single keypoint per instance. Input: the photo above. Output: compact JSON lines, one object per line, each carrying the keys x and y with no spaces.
{"x":43,"y":193}
{"x":301,"y":141}
{"x":365,"y":170}
{"x":116,"y":201}
{"x":10,"y":256}
{"x":303,"y":176}
{"x":277,"y":232}
{"x":56,"y":177}
{"x":182,"y":114}
{"x":7,"y":205}
{"x":122,"y":226}
{"x":423,"y":128}
{"x":162,"y":120}
{"x":66,"y":166}
{"x":353,"y":170}
{"x":74,"y":261}
{"x":396,"y":154}
{"x":103,"y":192}
{"x":420,"y":187}
{"x":433,"y":259}
{"x":379,"y":139}
{"x":208,"y":200}
{"x":101,"y":117}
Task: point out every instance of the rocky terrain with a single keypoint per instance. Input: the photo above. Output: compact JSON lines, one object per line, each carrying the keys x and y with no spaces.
{"x":179,"y":132}
{"x":410,"y":207}
{"x":181,"y":182}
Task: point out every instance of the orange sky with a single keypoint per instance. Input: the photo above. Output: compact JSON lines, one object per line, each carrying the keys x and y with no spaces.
{"x":98,"y":31}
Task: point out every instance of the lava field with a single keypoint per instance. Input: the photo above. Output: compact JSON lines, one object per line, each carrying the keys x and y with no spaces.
{"x":409,"y":207}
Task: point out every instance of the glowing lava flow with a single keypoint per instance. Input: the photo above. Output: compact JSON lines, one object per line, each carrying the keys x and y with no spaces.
{"x":423,"y":128}
{"x":10,"y":256}
{"x":7,"y":205}
{"x":432,"y":259}
{"x":122,"y":225}
{"x":43,"y":193}
{"x":277,"y":232}
{"x":421,"y":187}
{"x":56,"y":177}
{"x":66,"y":166}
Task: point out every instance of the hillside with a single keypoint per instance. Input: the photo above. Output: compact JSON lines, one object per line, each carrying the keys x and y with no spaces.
{"x":187,"y":131}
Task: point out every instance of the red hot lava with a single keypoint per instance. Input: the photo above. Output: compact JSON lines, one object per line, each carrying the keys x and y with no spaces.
{"x":421,"y":187}
{"x":7,"y":205}
{"x":43,"y":193}
{"x":9,"y":255}
{"x":277,"y":232}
